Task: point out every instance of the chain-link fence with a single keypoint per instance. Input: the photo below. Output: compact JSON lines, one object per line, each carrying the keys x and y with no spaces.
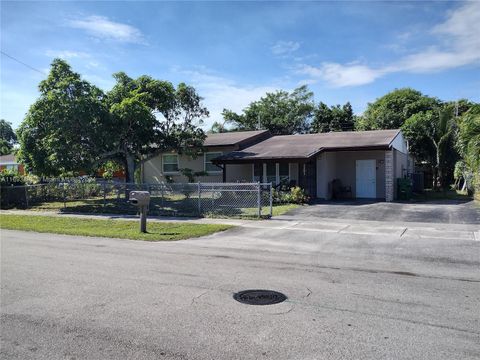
{"x":176,"y":199}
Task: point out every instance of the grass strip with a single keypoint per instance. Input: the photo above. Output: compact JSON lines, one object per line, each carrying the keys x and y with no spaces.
{"x":124,"y":229}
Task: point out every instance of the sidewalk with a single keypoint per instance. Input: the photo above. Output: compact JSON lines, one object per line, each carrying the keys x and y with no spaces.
{"x":417,"y":230}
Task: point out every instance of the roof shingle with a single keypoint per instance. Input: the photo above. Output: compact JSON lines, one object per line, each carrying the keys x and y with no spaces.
{"x":306,"y":145}
{"x":232,"y":138}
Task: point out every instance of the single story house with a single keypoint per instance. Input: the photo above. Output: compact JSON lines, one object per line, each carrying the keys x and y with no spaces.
{"x":9,"y":162}
{"x":368,"y":162}
{"x":168,"y":165}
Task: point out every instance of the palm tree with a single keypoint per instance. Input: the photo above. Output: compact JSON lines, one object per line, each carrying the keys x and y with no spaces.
{"x":468,"y":142}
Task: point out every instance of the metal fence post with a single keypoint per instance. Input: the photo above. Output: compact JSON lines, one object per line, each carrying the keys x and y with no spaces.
{"x":259,"y":200}
{"x":199,"y":199}
{"x":271,"y":200}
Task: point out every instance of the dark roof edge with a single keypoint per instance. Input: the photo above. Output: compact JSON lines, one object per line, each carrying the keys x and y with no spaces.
{"x":260,"y":136}
{"x":306,"y":158}
{"x":390,"y":143}
{"x":254,"y":139}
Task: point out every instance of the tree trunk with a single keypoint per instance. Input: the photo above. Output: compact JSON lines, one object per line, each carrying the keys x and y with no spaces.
{"x":129,"y":168}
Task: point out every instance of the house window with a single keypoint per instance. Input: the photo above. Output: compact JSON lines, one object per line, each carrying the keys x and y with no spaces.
{"x":209,"y":167}
{"x":258,"y":172}
{"x":283,"y":173}
{"x":170,"y":163}
{"x":271,"y":173}
{"x":275,"y":173}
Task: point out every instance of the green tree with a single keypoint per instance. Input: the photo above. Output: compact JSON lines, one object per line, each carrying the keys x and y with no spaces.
{"x":468,"y":142}
{"x":150,"y":116}
{"x":65,"y":128}
{"x":74,"y":126}
{"x":218,"y":127}
{"x":393,"y":109}
{"x":335,"y":118}
{"x":7,"y":137}
{"x":431,"y":137}
{"x":280,"y":112}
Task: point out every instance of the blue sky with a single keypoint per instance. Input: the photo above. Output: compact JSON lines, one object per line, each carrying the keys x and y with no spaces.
{"x":234,"y":52}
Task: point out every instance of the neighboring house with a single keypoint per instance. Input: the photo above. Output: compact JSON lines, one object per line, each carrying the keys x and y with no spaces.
{"x":369,"y":162}
{"x":169,"y":164}
{"x":9,"y":162}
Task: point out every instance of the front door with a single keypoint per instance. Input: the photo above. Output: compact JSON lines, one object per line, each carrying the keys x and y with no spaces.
{"x":366,"y":176}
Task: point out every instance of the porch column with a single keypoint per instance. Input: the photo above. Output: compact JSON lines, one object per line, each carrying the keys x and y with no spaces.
{"x":389,"y":196}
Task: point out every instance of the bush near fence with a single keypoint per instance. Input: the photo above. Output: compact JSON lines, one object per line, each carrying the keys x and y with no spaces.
{"x":176,"y":199}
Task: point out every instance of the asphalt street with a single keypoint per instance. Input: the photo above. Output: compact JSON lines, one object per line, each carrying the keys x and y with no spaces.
{"x":351,"y":295}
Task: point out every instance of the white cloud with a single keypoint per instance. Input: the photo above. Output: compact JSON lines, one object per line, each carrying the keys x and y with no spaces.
{"x":341,"y":75}
{"x":221,"y":93}
{"x":459,"y":45}
{"x":103,"y":28}
{"x":66,"y":54}
{"x":285,"y":47}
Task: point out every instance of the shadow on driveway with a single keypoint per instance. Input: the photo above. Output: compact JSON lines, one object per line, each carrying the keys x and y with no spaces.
{"x":440,"y":211}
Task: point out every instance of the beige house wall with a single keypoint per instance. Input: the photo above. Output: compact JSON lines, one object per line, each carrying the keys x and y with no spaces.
{"x":342,"y":165}
{"x":153,"y":170}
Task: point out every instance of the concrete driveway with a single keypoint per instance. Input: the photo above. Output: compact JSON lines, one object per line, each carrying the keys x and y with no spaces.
{"x":444,"y":212}
{"x":351,"y":295}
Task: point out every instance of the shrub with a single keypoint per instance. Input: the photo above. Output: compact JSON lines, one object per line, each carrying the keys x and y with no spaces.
{"x":298,"y":196}
{"x":295,"y":195}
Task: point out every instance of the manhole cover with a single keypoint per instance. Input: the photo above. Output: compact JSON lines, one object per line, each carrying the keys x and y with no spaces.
{"x":259,"y":297}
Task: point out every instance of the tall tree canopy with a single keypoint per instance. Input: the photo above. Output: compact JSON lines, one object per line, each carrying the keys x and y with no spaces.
{"x":334,"y":118}
{"x":151,"y":116}
{"x":66,"y":128}
{"x":281,"y":112}
{"x":393,"y":109}
{"x":431,"y":135}
{"x":7,"y":137}
{"x":468,"y":142}
{"x":74,"y":126}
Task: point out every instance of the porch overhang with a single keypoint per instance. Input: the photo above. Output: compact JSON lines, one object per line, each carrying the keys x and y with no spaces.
{"x":261,"y":160}
{"x":243,"y":158}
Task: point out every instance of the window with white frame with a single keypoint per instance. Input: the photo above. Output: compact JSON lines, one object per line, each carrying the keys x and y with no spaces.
{"x":258,"y":172}
{"x":209,"y":167}
{"x":275,"y":173}
{"x":271,"y":173}
{"x":170,"y":163}
{"x":283,"y":173}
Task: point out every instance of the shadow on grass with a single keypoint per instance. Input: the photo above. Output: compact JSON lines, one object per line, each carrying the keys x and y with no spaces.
{"x":168,"y":207}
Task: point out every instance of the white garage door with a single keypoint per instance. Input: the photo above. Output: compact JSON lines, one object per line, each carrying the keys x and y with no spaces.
{"x":366,"y":176}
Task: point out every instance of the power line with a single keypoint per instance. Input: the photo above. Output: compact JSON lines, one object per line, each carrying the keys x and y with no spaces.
{"x":24,"y":64}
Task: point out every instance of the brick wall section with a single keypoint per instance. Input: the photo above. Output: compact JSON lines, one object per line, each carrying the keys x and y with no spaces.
{"x":389,"y":176}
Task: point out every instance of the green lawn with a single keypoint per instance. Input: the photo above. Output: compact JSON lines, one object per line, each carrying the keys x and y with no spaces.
{"x":430,"y":194}
{"x":283,"y":208}
{"x":124,"y":229}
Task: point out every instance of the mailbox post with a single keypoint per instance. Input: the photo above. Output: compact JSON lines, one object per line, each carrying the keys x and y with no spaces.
{"x":142,"y":200}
